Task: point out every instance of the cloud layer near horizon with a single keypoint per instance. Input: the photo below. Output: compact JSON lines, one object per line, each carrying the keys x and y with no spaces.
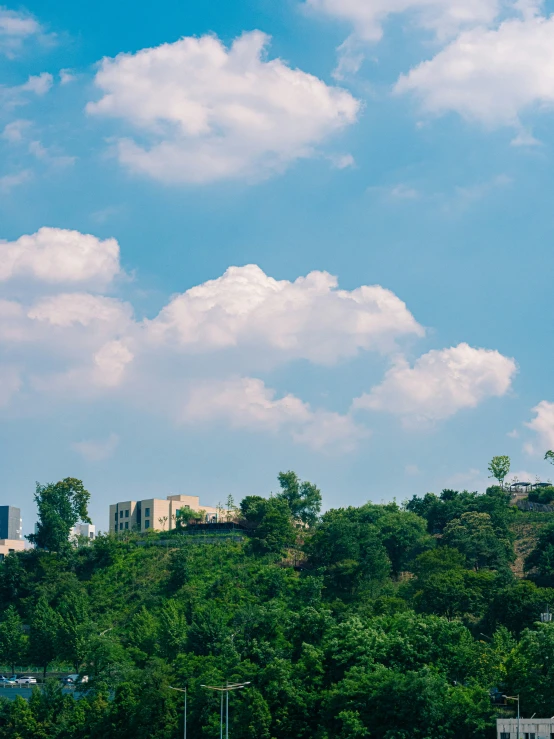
{"x":81,"y":346}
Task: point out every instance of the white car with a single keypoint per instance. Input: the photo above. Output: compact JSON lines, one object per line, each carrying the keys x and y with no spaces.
{"x":27,"y":680}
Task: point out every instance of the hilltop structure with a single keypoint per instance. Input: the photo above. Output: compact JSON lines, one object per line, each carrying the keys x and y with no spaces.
{"x":157,"y":514}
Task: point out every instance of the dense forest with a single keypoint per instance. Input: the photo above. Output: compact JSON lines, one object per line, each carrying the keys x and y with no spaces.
{"x":385,"y":621}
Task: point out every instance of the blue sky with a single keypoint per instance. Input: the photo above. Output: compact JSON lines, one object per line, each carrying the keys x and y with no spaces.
{"x":146,"y":158}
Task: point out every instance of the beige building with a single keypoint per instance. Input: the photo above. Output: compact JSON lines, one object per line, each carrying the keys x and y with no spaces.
{"x":8,"y":546}
{"x":156,"y":514}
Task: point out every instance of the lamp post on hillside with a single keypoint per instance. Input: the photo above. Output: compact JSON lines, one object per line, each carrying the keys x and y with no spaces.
{"x":225,"y":689}
{"x":514,"y":698}
{"x":181,"y":690}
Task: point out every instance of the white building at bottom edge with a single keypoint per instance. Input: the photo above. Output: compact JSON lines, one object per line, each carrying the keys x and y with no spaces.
{"x":529,"y":728}
{"x":87,"y":530}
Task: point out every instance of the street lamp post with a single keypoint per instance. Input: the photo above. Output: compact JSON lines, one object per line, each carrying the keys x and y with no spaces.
{"x":181,"y":690}
{"x":225,"y":689}
{"x":514,"y":698}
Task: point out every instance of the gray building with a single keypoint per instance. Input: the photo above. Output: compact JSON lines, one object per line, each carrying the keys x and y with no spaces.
{"x":10,"y":523}
{"x":529,"y":728}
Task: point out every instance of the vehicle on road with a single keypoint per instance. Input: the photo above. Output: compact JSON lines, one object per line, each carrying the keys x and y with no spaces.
{"x":6,"y":682}
{"x":26,"y":680}
{"x":74,"y":679}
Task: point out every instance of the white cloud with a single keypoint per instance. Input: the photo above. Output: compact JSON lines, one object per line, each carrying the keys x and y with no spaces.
{"x":210,"y":113}
{"x":39,"y":84}
{"x":50,"y":156}
{"x":69,"y":309}
{"x":444,"y":17}
{"x":441,"y":383}
{"x":13,"y":132}
{"x":472,"y":479}
{"x":7,"y":183}
{"x":342,"y":161}
{"x":308,"y":318}
{"x":492,"y":76}
{"x":404,"y":192}
{"x":111,"y":363}
{"x":543,"y":426}
{"x":10,"y":383}
{"x":15,"y":28}
{"x":97,"y":450}
{"x":246,"y":402}
{"x":67,"y":76}
{"x":55,"y":255}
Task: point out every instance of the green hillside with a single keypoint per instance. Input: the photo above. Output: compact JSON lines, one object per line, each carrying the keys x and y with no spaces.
{"x":397,"y":623}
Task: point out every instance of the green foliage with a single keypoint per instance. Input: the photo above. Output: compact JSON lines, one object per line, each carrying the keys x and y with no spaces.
{"x":60,"y":506}
{"x":45,"y":625}
{"x":440,"y":510}
{"x":499,"y":467}
{"x":348,"y":546}
{"x":530,"y":670}
{"x":545,"y":495}
{"x":384,"y":629}
{"x":13,"y":643}
{"x":475,"y":537}
{"x":275,"y":531}
{"x":542,"y":556}
{"x":303,"y":498}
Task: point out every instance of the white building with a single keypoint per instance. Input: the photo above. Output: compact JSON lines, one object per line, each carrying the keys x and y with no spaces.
{"x":529,"y":728}
{"x":87,"y":530}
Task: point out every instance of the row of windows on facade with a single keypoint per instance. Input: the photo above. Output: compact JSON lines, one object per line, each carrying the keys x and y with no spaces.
{"x":146,"y":525}
{"x":146,"y":513}
{"x":527,"y":735}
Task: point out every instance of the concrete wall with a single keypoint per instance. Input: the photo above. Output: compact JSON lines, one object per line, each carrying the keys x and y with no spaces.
{"x":8,"y":546}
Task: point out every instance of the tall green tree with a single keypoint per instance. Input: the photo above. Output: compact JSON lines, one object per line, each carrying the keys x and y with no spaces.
{"x":13,"y":642}
{"x":60,"y":506}
{"x":303,"y":498}
{"x":499,"y":467}
{"x":75,"y":628}
{"x":43,"y":641}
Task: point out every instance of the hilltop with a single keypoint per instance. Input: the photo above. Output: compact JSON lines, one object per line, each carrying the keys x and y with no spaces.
{"x":383,"y":620}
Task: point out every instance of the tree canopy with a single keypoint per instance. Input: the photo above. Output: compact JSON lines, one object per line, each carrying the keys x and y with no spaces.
{"x":60,"y":506}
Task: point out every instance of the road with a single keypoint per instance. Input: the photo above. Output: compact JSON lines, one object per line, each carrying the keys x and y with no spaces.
{"x":24,"y":691}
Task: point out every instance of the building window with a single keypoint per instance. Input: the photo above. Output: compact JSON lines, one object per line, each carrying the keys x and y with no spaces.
{"x":126,"y":514}
{"x":120,"y":514}
{"x":147,"y":511}
{"x":504,"y":735}
{"x":91,"y":535}
{"x":121,"y":527}
{"x":126,"y":524}
{"x":147,"y":523}
{"x":116,"y":515}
